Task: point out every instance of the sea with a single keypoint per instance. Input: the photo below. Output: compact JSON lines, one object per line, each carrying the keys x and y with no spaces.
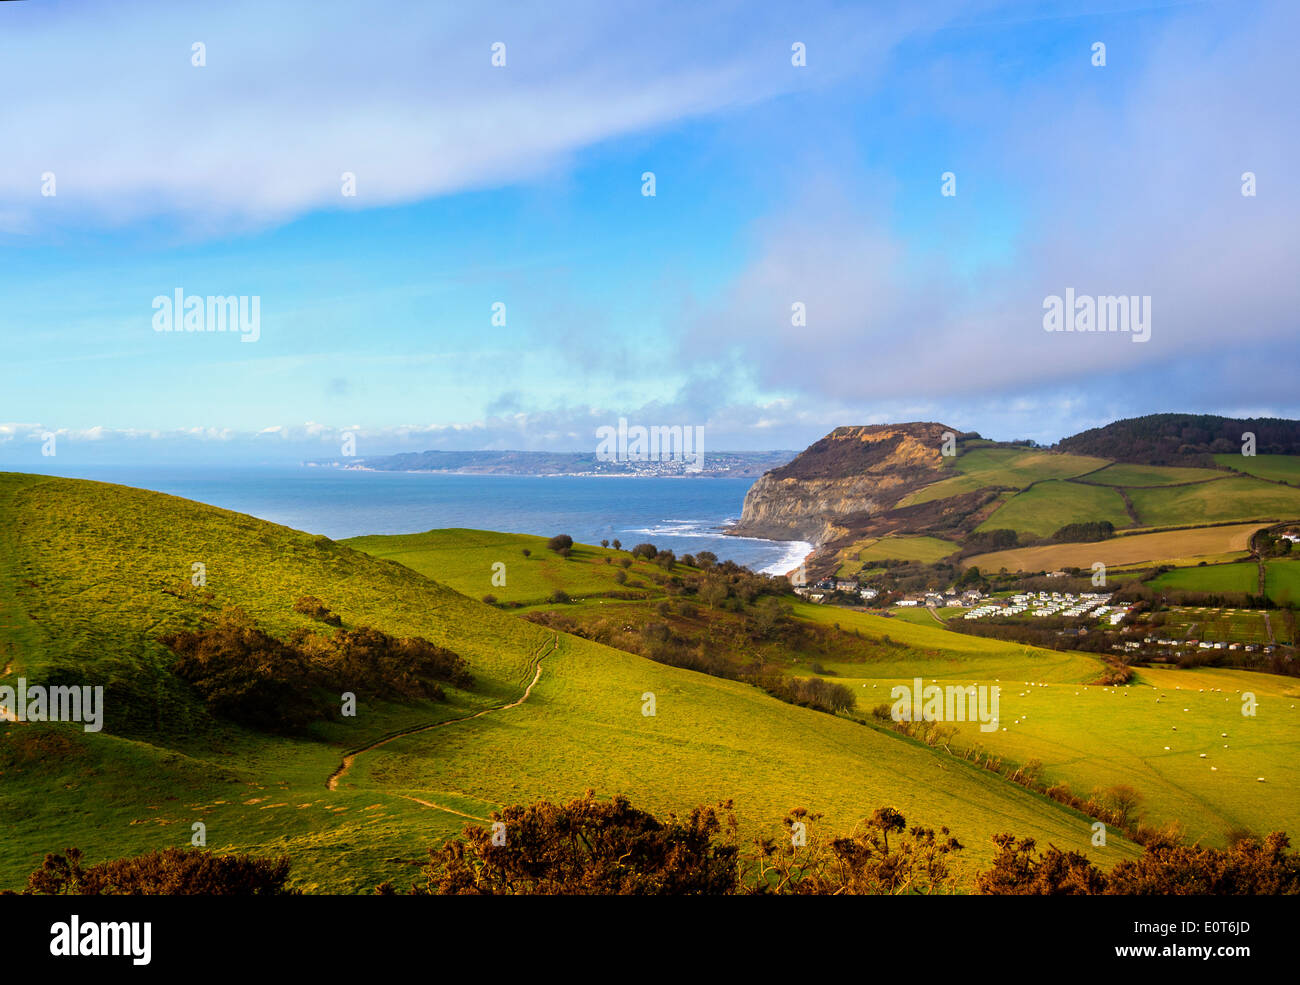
{"x":687,"y":514}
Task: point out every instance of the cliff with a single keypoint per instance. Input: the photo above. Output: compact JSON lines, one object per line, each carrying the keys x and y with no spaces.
{"x":851,"y":474}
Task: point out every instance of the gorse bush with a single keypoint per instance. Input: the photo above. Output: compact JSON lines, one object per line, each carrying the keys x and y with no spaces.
{"x":171,"y":872}
{"x":310,"y":605}
{"x":1249,"y":867}
{"x":589,"y":847}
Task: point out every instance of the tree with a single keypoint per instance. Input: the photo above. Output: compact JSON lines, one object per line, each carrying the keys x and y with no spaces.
{"x":618,"y":544}
{"x":560,"y":543}
{"x":604,"y":543}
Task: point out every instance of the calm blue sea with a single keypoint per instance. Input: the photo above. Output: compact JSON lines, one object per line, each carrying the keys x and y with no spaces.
{"x":685,"y":514}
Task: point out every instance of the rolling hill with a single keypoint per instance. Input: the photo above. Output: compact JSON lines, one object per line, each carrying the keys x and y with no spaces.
{"x":92,"y":575}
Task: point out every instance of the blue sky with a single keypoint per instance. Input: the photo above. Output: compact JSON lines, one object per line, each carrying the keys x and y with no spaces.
{"x":521,"y":184}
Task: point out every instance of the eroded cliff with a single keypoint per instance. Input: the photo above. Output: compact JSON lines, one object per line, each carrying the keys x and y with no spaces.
{"x":852,"y":473}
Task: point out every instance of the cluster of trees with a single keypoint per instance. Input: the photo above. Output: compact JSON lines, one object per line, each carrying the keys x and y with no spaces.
{"x":246,"y":675}
{"x":808,"y":692}
{"x":1184,"y":439}
{"x":171,"y":872}
{"x":1073,"y":533}
{"x":1269,"y":544}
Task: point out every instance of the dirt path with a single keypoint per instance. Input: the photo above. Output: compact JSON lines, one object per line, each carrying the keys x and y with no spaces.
{"x":935,"y":615}
{"x":440,"y":807}
{"x":333,"y":782}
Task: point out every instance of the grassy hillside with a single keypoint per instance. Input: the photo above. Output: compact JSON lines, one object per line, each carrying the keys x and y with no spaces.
{"x":1015,"y":467}
{"x":1045,"y":507}
{"x":1279,"y":468}
{"x":465,"y":559}
{"x":1090,"y":736}
{"x":924,"y":549}
{"x":93,"y":574}
{"x":1150,"y":475}
{"x":1233,"y":498}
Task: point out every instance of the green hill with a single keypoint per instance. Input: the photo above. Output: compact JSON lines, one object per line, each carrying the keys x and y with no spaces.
{"x":93,"y":574}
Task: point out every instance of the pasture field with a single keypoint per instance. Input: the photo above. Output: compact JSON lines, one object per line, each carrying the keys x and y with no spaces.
{"x":1014,"y":467}
{"x":1045,"y":507}
{"x":1240,"y":576}
{"x":1221,"y":625}
{"x":1092,"y":737}
{"x":1282,"y":581}
{"x":92,"y":574}
{"x":1124,"y":474}
{"x":1279,"y":468}
{"x":1233,"y":498}
{"x":924,"y":549}
{"x":464,"y":560}
{"x":1165,"y":547}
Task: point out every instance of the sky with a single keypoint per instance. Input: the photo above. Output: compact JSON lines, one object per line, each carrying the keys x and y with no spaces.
{"x":916,"y":179}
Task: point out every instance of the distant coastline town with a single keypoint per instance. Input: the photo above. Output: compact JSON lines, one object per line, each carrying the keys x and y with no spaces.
{"x":724,"y":464}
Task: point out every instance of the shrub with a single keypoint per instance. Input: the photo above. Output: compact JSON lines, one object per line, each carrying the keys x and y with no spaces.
{"x":310,"y":605}
{"x":590,"y":848}
{"x":170,"y":872}
{"x":560,"y":542}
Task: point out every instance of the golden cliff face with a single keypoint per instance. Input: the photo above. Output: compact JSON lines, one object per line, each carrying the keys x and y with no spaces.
{"x":853,"y":470}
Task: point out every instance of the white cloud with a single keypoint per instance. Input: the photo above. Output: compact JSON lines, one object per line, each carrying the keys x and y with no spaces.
{"x":293,"y":95}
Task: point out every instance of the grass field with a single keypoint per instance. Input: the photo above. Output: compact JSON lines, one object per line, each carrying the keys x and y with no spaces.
{"x":465,"y":559}
{"x":1281,"y":468}
{"x":1014,"y":467}
{"x":1123,"y":474}
{"x":1234,"y":498}
{"x":1094,"y":737}
{"x":1222,"y":625}
{"x":1046,"y":507}
{"x":1282,"y":581}
{"x":1242,"y":576}
{"x":924,"y":549}
{"x":90,"y":576}
{"x":1169,"y":546}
